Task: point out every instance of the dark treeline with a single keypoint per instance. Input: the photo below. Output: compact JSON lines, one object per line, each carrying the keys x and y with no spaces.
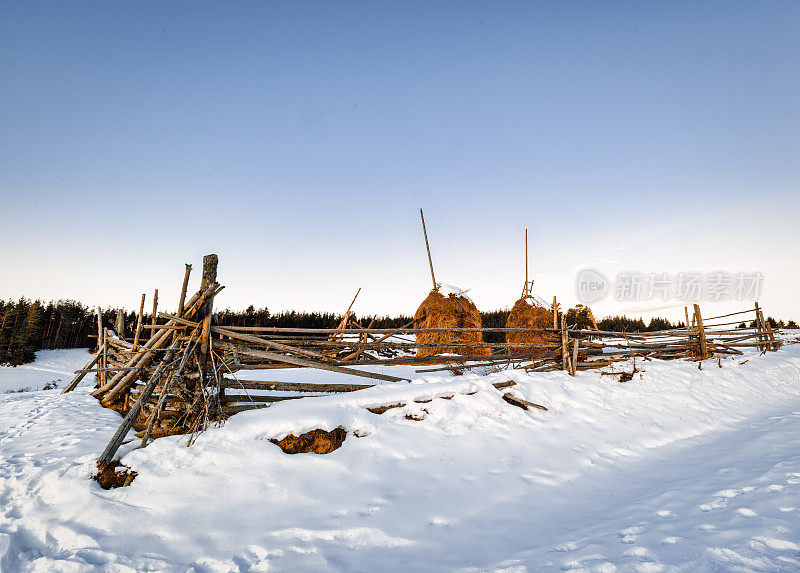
{"x":294,"y":319}
{"x":27,"y":326}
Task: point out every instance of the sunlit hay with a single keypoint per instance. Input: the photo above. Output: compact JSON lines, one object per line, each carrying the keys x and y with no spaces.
{"x":524,"y":315}
{"x":452,"y":311}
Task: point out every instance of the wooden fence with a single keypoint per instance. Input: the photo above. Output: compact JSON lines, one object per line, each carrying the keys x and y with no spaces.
{"x":182,"y":377}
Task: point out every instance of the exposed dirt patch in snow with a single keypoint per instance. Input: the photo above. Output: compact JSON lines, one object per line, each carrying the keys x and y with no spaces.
{"x":115,"y":475}
{"x":315,"y":442}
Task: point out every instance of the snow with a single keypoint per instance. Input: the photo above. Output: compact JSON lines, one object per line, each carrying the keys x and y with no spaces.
{"x":679,"y":469}
{"x":50,"y":366}
{"x":448,"y":289}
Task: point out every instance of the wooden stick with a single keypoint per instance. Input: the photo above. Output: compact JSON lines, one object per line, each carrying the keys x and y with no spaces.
{"x":139,"y":324}
{"x":184,"y":287}
{"x":209,"y":277}
{"x":688,"y":326}
{"x":427,"y":246}
{"x":83,"y":372}
{"x":155,"y":311}
{"x":116,"y":441}
{"x":120,"y":326}
{"x":520,"y":403}
{"x":346,"y":317}
{"x":555,"y":313}
{"x":292,"y":386}
{"x":101,"y":349}
{"x":305,"y":362}
{"x":381,"y":339}
{"x":564,"y":344}
{"x":574,"y":357}
{"x":701,"y":332}
{"x":268,"y":343}
{"x":119,"y":382}
{"x":526,"y":290}
{"x":164,"y":392}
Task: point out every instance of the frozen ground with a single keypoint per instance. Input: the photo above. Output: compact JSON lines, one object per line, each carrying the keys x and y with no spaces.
{"x":678,"y":469}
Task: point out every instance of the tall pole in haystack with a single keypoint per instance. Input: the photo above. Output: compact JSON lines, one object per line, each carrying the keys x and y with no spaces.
{"x":427,"y":246}
{"x":526,"y":288}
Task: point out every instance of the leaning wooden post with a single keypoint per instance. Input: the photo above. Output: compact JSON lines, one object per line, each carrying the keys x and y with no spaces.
{"x":770,"y":336}
{"x":430,"y":260}
{"x":127,"y":422}
{"x":155,"y":313}
{"x":701,"y":332}
{"x":138,"y":326}
{"x":209,"y":277}
{"x":183,"y":289}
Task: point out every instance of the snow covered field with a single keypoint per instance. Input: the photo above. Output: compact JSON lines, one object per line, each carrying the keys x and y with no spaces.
{"x":678,"y":469}
{"x":51,"y":366}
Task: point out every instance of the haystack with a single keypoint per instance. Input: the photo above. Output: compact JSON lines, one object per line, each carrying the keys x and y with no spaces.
{"x":452,"y":311}
{"x":524,"y":314}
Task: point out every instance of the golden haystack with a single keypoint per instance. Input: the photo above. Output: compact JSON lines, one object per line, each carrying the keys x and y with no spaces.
{"x":439,"y":311}
{"x":524,"y":315}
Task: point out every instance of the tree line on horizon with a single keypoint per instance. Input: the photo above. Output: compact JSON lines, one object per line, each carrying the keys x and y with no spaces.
{"x":27,"y":326}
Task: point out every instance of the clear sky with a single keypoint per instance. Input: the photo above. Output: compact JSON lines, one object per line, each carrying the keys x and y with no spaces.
{"x":298,"y":140}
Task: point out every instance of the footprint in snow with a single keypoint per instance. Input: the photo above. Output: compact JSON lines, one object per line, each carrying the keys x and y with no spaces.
{"x":641,"y":553}
{"x":746,"y":512}
{"x":775,"y":544}
{"x":630,"y":534}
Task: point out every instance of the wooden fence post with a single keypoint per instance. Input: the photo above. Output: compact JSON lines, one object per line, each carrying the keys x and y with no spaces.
{"x":574,"y":364}
{"x":555,"y":313}
{"x":120,"y":328}
{"x":701,"y":332}
{"x":101,"y":364}
{"x":760,"y":330}
{"x":209,"y":277}
{"x":564,"y":345}
{"x":155,"y":313}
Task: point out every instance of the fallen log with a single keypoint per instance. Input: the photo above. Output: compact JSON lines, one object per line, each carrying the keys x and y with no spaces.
{"x":520,"y":403}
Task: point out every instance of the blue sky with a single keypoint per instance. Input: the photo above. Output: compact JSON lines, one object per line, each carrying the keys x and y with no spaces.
{"x":299,"y":140}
